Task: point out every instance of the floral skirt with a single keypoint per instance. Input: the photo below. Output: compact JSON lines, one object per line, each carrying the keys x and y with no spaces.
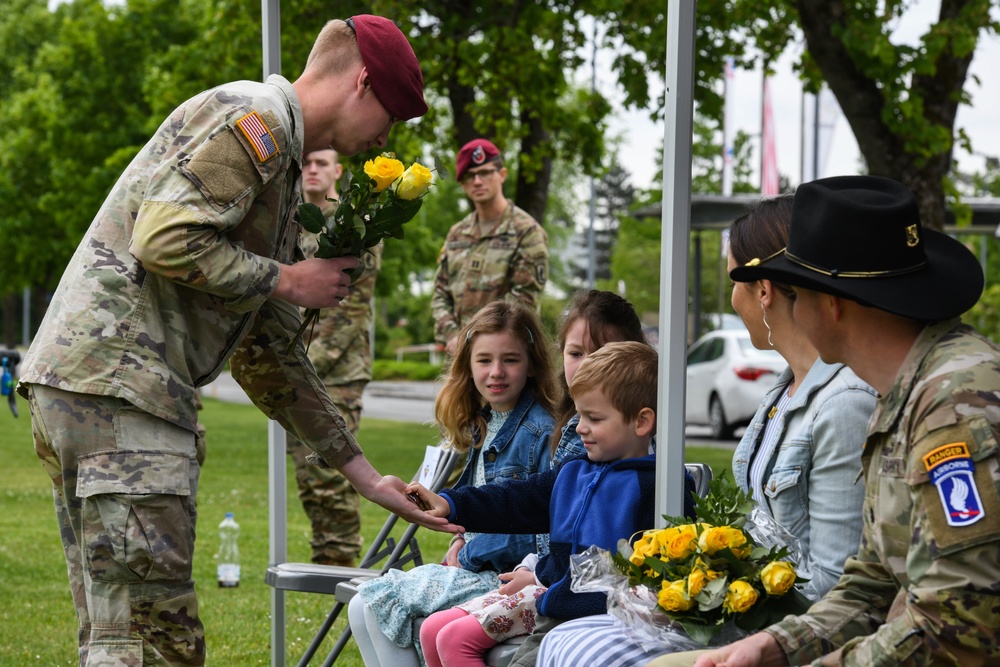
{"x":506,"y":616}
{"x":399,"y":597}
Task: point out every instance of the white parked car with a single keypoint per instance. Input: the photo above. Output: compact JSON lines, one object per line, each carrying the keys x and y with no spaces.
{"x":726,"y":379}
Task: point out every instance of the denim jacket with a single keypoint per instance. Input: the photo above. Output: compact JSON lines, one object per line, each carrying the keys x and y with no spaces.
{"x":518,"y":450}
{"x":811,"y":479}
{"x":570,"y":444}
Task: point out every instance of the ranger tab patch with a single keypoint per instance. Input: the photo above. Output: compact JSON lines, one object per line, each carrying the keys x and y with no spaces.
{"x":257,"y":133}
{"x":951,"y":470}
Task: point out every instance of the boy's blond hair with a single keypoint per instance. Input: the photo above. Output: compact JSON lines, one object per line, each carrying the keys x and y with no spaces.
{"x":625,"y":372}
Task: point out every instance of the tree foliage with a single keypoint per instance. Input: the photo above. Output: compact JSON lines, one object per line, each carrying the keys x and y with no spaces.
{"x":83,"y":85}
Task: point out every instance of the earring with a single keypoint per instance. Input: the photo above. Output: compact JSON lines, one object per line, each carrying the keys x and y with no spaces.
{"x":764,"y":312}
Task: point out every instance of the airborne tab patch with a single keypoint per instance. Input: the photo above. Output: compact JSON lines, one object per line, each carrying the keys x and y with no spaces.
{"x":951,"y":470}
{"x":259,"y":135}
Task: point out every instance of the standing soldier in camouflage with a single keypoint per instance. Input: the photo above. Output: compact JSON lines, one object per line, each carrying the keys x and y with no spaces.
{"x":876,"y":291}
{"x":191,"y":261}
{"x":496,"y":250}
{"x":340,"y":349}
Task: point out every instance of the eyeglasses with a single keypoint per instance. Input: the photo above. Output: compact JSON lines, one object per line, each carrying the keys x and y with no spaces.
{"x":470,"y":176}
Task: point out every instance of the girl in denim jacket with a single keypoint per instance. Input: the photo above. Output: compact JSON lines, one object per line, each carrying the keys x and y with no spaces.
{"x":496,"y":403}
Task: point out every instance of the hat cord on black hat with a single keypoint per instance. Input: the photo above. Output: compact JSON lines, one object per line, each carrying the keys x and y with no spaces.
{"x":837,"y":273}
{"x":757,"y":260}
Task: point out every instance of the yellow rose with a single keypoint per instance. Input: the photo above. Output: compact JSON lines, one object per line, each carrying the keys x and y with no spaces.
{"x":740,"y":597}
{"x":672,"y":597}
{"x":383,"y":170}
{"x":643,"y":548}
{"x":679,"y":542}
{"x":696,"y":581}
{"x":777,"y":577}
{"x":718,"y":538}
{"x":414,"y":182}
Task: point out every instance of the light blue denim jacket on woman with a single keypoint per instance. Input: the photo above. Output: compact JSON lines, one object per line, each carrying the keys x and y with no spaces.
{"x":519,"y":449}
{"x":812,"y":479}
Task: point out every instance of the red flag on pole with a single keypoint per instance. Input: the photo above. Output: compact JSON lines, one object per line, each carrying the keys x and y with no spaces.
{"x":769,"y":184}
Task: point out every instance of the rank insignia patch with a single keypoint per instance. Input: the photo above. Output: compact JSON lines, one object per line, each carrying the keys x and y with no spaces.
{"x":951,"y":470}
{"x":257,"y":133}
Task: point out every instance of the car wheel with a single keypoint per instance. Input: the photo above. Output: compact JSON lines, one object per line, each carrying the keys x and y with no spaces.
{"x":720,"y":429}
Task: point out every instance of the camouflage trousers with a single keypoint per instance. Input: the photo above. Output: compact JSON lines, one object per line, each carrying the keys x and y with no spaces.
{"x":124,"y":484}
{"x":329,"y":500}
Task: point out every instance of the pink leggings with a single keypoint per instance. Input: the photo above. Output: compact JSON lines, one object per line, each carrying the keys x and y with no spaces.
{"x":454,"y":638}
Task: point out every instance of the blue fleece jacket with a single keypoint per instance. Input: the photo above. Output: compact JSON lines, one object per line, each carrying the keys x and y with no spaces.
{"x":580,"y":503}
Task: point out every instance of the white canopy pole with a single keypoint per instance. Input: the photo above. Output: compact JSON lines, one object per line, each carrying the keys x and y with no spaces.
{"x":277,"y":491}
{"x":676,"y":229}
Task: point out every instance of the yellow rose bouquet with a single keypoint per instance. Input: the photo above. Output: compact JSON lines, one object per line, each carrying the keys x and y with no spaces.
{"x":711,"y":574}
{"x":376,"y":200}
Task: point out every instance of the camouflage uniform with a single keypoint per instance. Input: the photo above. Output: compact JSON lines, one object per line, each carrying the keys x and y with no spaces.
{"x":340,"y":350}
{"x":475,"y":270}
{"x":924,"y":588}
{"x":172,"y":278}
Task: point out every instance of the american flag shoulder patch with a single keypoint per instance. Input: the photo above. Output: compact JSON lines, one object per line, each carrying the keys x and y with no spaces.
{"x":259,"y":135}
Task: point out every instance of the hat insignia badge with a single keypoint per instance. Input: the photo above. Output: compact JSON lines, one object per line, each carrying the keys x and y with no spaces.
{"x":912,"y":238}
{"x":478,"y":155}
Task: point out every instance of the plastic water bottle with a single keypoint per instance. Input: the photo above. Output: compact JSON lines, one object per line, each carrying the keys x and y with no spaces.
{"x":229,"y":553}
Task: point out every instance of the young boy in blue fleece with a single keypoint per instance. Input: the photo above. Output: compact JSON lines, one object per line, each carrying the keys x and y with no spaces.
{"x":595,"y":499}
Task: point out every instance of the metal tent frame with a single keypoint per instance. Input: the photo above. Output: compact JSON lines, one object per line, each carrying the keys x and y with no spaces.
{"x":676,"y":228}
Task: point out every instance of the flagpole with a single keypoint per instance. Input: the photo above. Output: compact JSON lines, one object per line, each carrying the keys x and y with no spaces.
{"x":727,"y":127}
{"x":770,"y":180}
{"x":763,"y":131}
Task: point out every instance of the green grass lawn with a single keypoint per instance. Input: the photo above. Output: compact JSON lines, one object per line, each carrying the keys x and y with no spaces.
{"x":37,"y":621}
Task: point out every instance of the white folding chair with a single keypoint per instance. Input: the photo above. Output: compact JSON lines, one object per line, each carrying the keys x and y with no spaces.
{"x":313,"y":578}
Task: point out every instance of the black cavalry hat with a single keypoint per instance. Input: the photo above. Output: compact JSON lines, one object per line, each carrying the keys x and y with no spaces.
{"x":860,"y":237}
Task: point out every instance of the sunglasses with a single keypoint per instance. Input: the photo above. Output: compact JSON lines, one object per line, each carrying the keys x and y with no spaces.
{"x":470,"y":176}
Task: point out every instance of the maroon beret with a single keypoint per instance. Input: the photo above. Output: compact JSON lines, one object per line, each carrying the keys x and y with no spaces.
{"x":475,"y":153}
{"x":393,"y":69}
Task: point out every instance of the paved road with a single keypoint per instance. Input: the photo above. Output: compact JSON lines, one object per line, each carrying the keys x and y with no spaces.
{"x":410,"y":402}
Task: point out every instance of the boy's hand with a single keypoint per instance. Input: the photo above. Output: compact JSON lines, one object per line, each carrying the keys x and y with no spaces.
{"x":516,"y":580}
{"x":427,"y":500}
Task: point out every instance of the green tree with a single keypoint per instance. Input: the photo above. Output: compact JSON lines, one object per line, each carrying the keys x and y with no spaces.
{"x":72,"y":100}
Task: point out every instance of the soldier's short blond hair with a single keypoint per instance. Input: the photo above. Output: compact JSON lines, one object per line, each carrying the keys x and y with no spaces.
{"x":335,"y":49}
{"x":625,"y":372}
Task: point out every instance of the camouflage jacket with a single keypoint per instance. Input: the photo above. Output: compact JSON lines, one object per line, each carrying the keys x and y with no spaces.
{"x":175,"y":273}
{"x":924,"y":588}
{"x":340,"y":347}
{"x":474,"y":271}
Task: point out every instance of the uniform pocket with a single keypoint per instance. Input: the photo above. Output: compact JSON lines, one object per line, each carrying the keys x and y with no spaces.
{"x":138,"y":516}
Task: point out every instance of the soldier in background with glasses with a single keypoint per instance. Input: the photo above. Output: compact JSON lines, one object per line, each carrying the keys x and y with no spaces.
{"x":496,"y":250}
